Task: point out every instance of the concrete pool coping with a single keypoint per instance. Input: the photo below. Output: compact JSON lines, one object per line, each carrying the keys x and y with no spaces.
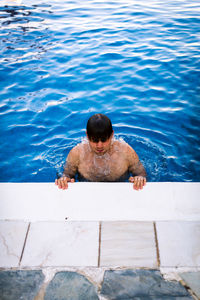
{"x":94,"y":227}
{"x":100,"y":202}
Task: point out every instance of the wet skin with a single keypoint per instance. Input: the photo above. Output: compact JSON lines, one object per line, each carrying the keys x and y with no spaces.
{"x":103,"y":161}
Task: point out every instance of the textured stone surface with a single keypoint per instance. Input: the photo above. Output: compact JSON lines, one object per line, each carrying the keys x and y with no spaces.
{"x":192,"y":279}
{"x":12,"y":237}
{"x":128,"y":244}
{"x":155,"y":298}
{"x":20,"y":285}
{"x":140,"y":284}
{"x":62,"y":244}
{"x":70,"y":286}
{"x":179,"y":243}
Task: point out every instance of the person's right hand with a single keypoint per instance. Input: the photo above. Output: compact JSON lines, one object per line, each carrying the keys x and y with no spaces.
{"x":62,"y":182}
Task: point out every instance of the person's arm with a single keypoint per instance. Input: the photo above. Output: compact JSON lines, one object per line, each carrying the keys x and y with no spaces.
{"x":137,"y":169}
{"x":70,"y":169}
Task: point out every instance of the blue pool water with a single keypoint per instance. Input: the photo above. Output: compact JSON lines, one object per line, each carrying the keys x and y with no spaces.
{"x":136,"y":61}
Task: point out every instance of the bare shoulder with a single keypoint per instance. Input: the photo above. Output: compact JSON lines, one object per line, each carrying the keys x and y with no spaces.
{"x":131,"y":153}
{"x":125,"y":147}
{"x":127,"y":150}
{"x":74,"y":154}
{"x":119,"y":145}
{"x":72,"y":162}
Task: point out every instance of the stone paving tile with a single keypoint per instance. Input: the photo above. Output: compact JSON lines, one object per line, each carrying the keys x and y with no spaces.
{"x":129,"y":244}
{"x":141,"y":285}
{"x":179,"y":243}
{"x":71,"y":286}
{"x":154,"y":298}
{"x":12,"y":237}
{"x":20,"y":285}
{"x":192,"y":279}
{"x":62,"y":244}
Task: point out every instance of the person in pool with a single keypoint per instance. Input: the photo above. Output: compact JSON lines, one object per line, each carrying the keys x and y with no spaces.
{"x":102,"y":158}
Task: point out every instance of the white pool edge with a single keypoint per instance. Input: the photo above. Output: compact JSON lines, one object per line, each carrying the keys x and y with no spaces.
{"x":160,"y":201}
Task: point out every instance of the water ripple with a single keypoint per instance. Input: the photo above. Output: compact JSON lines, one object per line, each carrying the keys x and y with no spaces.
{"x":138,"y":62}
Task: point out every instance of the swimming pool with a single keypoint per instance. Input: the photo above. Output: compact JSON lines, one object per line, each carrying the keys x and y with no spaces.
{"x":136,"y":61}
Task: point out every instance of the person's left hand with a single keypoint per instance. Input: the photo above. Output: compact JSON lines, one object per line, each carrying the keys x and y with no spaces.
{"x":138,"y":182}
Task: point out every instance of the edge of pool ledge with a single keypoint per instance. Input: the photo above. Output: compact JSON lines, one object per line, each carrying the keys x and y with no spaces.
{"x":83,"y":201}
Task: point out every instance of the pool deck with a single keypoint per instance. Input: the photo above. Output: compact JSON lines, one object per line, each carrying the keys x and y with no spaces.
{"x":93,"y":228}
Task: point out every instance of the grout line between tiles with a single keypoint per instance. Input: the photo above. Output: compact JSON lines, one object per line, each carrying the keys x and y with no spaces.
{"x":99,"y":251}
{"x":157,"y":245}
{"x":27,"y":232}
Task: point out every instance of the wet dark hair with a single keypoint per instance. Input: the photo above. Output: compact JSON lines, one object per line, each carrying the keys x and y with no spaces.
{"x":99,"y":127}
